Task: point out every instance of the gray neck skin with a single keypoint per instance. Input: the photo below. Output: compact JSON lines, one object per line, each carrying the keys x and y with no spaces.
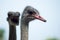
{"x":12,"y":32}
{"x":24,"y":30}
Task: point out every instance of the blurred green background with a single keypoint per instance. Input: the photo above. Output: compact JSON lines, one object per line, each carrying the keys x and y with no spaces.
{"x":1,"y":34}
{"x":52,"y":38}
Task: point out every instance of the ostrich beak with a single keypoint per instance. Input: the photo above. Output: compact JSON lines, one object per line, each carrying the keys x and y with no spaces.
{"x":40,"y":18}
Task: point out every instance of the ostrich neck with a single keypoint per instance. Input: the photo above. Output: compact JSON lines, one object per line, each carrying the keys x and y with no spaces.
{"x":12,"y":32}
{"x":24,"y":30}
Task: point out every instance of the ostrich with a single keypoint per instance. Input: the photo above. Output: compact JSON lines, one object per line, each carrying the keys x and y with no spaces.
{"x":29,"y":14}
{"x":13,"y":20}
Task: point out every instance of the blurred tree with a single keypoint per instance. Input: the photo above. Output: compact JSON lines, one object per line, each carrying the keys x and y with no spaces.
{"x":51,"y":39}
{"x":1,"y":34}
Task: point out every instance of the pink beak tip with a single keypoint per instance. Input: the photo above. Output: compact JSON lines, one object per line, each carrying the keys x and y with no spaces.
{"x":40,"y":18}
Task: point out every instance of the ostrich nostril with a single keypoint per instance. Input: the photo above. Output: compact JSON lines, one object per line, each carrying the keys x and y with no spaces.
{"x":44,"y":20}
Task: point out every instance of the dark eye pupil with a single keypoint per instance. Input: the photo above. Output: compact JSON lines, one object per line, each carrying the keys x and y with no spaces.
{"x":30,"y":12}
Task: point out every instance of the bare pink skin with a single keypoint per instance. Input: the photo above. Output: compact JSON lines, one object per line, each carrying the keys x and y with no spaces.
{"x":39,"y":17}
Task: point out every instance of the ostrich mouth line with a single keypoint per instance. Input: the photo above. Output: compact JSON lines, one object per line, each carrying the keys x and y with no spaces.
{"x":15,"y":20}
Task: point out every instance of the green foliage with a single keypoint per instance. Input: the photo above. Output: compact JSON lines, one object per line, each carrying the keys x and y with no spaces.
{"x":51,"y":39}
{"x":1,"y":33}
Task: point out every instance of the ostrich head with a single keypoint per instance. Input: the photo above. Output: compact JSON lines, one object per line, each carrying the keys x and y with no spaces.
{"x":13,"y":18}
{"x":30,"y":14}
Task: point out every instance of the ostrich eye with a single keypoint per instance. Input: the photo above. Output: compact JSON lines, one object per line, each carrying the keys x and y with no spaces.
{"x":30,"y":12}
{"x":9,"y":14}
{"x":17,"y":14}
